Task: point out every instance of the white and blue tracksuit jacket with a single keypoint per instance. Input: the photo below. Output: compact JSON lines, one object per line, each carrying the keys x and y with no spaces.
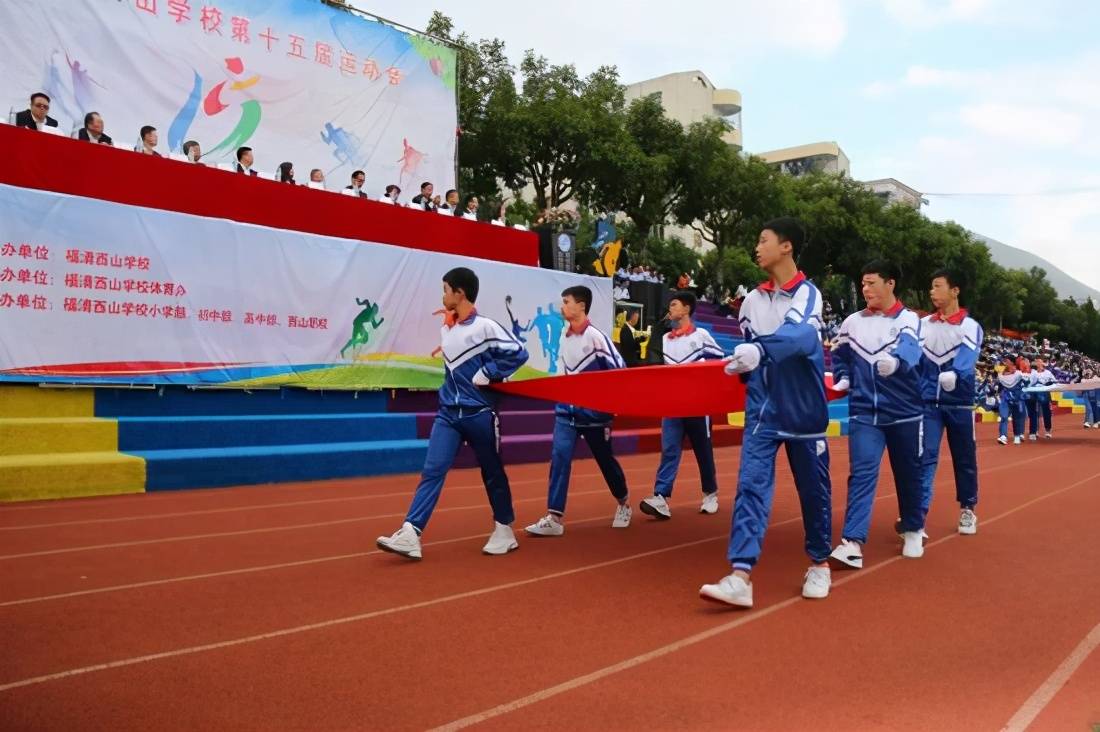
{"x":864,"y":339}
{"x":695,"y":344}
{"x":949,"y":344}
{"x":786,"y":393}
{"x":786,"y":405}
{"x":1011,"y":388}
{"x":589,"y":350}
{"x":473,"y":345}
{"x":1041,"y":378}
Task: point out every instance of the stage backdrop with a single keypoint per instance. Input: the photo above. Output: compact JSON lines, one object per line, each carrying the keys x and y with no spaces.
{"x":98,"y":292}
{"x":296,"y":80}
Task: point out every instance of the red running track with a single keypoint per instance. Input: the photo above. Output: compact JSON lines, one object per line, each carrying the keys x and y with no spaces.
{"x":269,"y":608}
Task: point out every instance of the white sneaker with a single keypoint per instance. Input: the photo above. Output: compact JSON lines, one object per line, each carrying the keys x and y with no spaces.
{"x":849,"y":554}
{"x":815,"y":585}
{"x":731,"y":590}
{"x":901,"y":534}
{"x":1003,"y":440}
{"x":501,"y":541}
{"x":710,"y":503}
{"x":914,"y":545}
{"x":548,"y":525}
{"x":657,"y":507}
{"x":1047,"y":435}
{"x":1088,"y":426}
{"x":622,"y":517}
{"x":1033,"y":438}
{"x":1016,"y":440}
{"x":1096,"y":425}
{"x":405,"y":541}
{"x":968,"y":522}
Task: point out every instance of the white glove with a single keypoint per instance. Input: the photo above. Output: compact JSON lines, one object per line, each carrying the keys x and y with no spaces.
{"x":948,"y":380}
{"x":842,"y":385}
{"x":746,"y":357}
{"x":480,"y":379}
{"x":887,"y":366}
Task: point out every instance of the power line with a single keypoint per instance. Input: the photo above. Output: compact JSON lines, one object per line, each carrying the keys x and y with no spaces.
{"x":1018,"y":194}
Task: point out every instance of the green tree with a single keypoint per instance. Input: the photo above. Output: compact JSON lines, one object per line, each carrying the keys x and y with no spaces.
{"x":645,"y":176}
{"x":726,"y":196}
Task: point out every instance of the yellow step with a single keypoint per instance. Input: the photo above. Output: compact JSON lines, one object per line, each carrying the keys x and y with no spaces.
{"x":737,"y":419}
{"x":24,"y":400}
{"x":833,"y":430}
{"x":24,"y":436}
{"x":70,"y":475}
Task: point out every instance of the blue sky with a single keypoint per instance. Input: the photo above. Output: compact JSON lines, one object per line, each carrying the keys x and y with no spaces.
{"x":949,"y":96}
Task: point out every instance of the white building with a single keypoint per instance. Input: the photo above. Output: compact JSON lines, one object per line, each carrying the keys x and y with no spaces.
{"x":894,"y":191}
{"x":689,"y":96}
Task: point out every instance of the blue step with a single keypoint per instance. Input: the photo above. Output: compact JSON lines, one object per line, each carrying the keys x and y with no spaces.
{"x":727,"y":342}
{"x":205,"y":468}
{"x":181,"y":432}
{"x":838,"y":409}
{"x":181,"y":401}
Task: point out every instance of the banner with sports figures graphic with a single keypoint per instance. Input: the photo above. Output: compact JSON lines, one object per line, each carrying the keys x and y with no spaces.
{"x":98,"y":292}
{"x":296,"y":80}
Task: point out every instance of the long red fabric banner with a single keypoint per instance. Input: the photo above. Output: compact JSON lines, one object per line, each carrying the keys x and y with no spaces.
{"x":650,"y":391}
{"x":51,"y":163}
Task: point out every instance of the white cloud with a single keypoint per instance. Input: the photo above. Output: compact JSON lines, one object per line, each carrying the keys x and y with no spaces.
{"x":1041,"y":126}
{"x":648,"y":40}
{"x":929,"y":13}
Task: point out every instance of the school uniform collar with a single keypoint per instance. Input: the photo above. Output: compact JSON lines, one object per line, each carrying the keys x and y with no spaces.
{"x":788,"y":287}
{"x":583,"y":328}
{"x":452,"y":318}
{"x":680,"y":332}
{"x":891,"y":313}
{"x":955,"y":319}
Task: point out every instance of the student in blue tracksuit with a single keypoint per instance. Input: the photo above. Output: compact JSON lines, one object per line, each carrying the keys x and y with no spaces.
{"x":783,"y":363}
{"x":684,"y":344}
{"x":1010,"y":387}
{"x":951,"y":343}
{"x":877,"y":357}
{"x":1040,"y":376}
{"x":477,"y":351}
{"x":583,"y":348}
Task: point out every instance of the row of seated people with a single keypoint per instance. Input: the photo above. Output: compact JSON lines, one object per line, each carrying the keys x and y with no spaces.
{"x":36,"y":117}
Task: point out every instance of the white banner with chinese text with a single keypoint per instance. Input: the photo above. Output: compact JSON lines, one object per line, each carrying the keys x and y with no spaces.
{"x":98,"y":292}
{"x":296,"y":80}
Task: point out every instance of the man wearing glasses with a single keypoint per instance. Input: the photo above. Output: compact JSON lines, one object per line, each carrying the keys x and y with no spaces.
{"x":36,"y":118}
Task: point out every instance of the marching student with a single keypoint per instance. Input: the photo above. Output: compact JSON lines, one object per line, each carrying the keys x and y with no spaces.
{"x":783,"y":363}
{"x":951,"y":343}
{"x":684,"y":344}
{"x":876,"y":356}
{"x":1040,"y":376}
{"x":1010,"y":386}
{"x":583,"y":348}
{"x":477,"y":351}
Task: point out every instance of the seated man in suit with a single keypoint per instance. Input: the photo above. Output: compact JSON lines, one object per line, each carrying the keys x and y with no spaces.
{"x":423,"y":200}
{"x":245,"y":160}
{"x":358,"y":178}
{"x":192,"y":152}
{"x":92,"y":131}
{"x":35,"y":118}
{"x":149,"y":141}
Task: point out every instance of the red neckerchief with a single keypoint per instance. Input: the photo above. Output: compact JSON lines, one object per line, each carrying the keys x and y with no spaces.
{"x":769,"y":286}
{"x":680,"y":332}
{"x":584,"y":327}
{"x":955,"y":319}
{"x":452,"y":318}
{"x":898,"y":305}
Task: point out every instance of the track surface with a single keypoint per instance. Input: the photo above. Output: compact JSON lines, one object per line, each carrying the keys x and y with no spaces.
{"x":269,"y":608}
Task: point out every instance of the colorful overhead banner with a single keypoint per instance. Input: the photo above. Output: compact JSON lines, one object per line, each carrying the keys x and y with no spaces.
{"x":296,"y":80}
{"x":98,"y":292}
